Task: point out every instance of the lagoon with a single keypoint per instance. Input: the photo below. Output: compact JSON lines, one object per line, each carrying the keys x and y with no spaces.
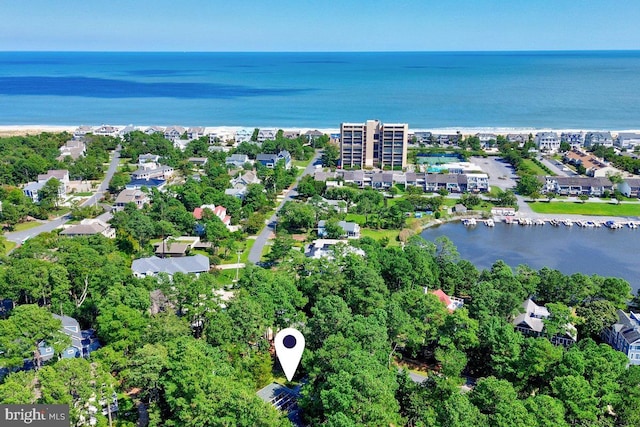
{"x":571,"y":250}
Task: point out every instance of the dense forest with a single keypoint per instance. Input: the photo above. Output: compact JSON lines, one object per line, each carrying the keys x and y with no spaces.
{"x":199,"y":360}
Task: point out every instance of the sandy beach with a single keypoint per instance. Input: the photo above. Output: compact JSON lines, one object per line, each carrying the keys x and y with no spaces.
{"x":12,"y":130}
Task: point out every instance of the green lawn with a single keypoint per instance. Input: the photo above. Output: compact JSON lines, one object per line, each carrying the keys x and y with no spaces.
{"x":244,"y":256}
{"x":8,"y":246}
{"x":532,"y":168}
{"x":603,"y":209}
{"x":357,"y":218}
{"x":83,"y":194}
{"x":26,"y":225}
{"x":392,"y":235}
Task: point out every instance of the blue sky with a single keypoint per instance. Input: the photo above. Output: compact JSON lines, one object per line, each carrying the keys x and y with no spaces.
{"x":329,"y":25}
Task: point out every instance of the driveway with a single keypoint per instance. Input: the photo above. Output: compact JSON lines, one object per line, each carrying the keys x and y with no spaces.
{"x":261,"y":240}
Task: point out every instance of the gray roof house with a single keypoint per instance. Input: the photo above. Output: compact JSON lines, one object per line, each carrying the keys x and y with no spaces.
{"x":531,"y":322}
{"x":624,"y":335}
{"x":351,"y":229}
{"x":89,"y":227}
{"x":548,"y":141}
{"x":83,"y":342}
{"x":270,"y":160}
{"x":151,"y":266}
{"x":627,"y":140}
{"x":237,"y":160}
{"x":600,"y":138}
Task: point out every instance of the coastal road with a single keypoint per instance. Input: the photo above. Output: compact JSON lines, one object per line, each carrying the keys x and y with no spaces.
{"x":256,"y":250}
{"x":47,"y":226}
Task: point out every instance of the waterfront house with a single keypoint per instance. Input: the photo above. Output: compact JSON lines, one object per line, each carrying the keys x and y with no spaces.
{"x":291,"y":134}
{"x":547,"y":141}
{"x":627,"y":140}
{"x":486,"y":138}
{"x":624,"y":335}
{"x":531,"y":323}
{"x":519,"y":138}
{"x":81,"y":131}
{"x":575,"y":139}
{"x":153,"y":129}
{"x":243,"y":135}
{"x":174,"y":133}
{"x":350,"y":229}
{"x":152,"y":266}
{"x":630,"y":187}
{"x":89,"y":227}
{"x":106,"y":130}
{"x":598,"y":138}
{"x":266,"y":135}
{"x":195,"y":132}
{"x":422,"y":137}
{"x":575,"y":186}
{"x":137,"y":197}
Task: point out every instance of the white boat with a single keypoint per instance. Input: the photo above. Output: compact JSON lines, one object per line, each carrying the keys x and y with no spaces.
{"x":469,"y":222}
{"x":490,"y":223}
{"x":567,"y":222}
{"x":631,"y":224}
{"x":589,"y":224}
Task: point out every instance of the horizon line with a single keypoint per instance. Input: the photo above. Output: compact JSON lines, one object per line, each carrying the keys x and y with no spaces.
{"x":323,"y":51}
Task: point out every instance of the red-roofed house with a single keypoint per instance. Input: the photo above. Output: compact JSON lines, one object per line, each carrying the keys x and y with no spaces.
{"x":197,"y":213}
{"x":451,"y":303}
{"x":219,"y":211}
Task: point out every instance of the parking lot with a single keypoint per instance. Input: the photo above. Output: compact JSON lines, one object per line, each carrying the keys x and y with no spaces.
{"x":501,"y":174}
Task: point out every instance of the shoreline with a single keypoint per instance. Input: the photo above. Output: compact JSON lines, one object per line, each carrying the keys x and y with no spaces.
{"x":22,"y":129}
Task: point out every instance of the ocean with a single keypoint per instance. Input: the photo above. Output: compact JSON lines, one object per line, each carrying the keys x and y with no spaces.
{"x":561,"y":90}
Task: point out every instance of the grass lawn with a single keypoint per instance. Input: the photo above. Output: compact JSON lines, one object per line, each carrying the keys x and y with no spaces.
{"x":244,"y":256}
{"x":301,"y":163}
{"x":8,"y":245}
{"x":392,"y":235}
{"x":533,"y":168}
{"x":357,"y":218}
{"x":26,"y":225}
{"x":603,"y":209}
{"x":83,"y":194}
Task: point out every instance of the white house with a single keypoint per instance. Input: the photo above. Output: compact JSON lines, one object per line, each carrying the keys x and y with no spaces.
{"x":627,"y":140}
{"x":547,"y":141}
{"x":351,"y":229}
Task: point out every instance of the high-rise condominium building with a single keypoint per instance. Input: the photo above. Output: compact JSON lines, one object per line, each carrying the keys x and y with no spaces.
{"x":373,"y":144}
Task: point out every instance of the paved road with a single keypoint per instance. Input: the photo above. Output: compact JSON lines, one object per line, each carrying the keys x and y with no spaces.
{"x":256,"y":250}
{"x":47,"y":226}
{"x":102,"y":188}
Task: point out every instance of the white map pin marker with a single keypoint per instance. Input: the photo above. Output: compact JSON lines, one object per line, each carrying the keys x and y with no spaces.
{"x":289,"y":344}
